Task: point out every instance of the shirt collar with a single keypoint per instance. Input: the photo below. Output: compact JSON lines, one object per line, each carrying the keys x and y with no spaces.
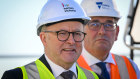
{"x":57,"y":70}
{"x":89,"y":58}
{"x":110,"y":59}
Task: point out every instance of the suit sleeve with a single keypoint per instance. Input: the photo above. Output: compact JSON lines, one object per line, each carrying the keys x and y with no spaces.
{"x":13,"y":74}
{"x":136,"y":68}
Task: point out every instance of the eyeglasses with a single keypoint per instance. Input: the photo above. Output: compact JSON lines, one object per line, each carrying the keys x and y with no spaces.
{"x":107,"y":26}
{"x":64,"y":35}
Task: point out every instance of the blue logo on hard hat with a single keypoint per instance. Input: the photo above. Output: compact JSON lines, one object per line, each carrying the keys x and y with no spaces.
{"x":99,"y":4}
{"x":102,"y":5}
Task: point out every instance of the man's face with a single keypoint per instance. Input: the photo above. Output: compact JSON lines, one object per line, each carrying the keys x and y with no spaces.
{"x":100,"y":40}
{"x":62,"y":52}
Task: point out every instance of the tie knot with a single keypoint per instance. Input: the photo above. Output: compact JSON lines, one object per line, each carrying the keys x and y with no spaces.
{"x":67,"y":75}
{"x":101,"y":65}
{"x":104,"y":72}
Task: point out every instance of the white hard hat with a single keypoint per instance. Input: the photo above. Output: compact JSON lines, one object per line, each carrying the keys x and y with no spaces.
{"x":58,"y":10}
{"x":100,"y":8}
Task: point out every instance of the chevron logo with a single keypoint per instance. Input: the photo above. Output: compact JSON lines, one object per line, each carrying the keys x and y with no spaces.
{"x":99,"y":4}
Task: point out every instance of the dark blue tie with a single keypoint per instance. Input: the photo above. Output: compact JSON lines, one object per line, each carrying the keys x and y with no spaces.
{"x":104,"y":72}
{"x":67,"y":75}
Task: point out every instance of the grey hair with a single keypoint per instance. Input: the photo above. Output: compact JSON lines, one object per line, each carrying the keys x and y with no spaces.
{"x":43,"y":28}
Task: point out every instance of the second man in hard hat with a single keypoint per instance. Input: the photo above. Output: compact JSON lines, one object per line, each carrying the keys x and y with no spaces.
{"x":61,"y":30}
{"x":102,"y":31}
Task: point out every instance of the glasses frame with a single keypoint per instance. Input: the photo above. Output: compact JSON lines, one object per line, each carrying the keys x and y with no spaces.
{"x":57,"y":32}
{"x":115,"y":26}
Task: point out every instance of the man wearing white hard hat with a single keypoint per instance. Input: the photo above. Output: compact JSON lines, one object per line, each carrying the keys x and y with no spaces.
{"x":102,"y":31}
{"x":61,"y":30}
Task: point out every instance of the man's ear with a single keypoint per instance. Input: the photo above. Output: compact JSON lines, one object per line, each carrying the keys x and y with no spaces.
{"x":43,"y":38}
{"x":117,"y":33}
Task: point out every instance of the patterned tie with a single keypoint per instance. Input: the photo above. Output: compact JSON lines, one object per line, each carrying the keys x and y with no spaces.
{"x":104,"y":72}
{"x":67,"y":75}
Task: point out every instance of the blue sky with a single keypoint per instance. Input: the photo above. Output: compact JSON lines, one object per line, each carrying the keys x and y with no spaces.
{"x":18,"y":20}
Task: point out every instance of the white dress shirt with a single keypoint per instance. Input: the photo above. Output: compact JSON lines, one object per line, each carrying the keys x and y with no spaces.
{"x":89,"y":59}
{"x":57,"y":70}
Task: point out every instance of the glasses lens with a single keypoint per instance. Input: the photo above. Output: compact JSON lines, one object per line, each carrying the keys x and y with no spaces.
{"x":94,"y":26}
{"x":79,"y":36}
{"x":109,"y":26}
{"x":63,"y":35}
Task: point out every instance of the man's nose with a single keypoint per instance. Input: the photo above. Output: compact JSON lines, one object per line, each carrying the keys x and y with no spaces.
{"x":71,"y":39}
{"x":102,"y":30}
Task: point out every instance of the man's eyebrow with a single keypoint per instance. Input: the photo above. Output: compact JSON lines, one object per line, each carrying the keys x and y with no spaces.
{"x":95,"y":21}
{"x":109,"y":21}
{"x":76,"y":30}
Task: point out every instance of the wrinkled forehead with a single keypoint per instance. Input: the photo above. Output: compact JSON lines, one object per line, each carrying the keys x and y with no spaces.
{"x":67,"y":25}
{"x":103,"y":19}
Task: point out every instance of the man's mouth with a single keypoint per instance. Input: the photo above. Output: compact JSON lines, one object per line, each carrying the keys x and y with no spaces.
{"x":101,"y":40}
{"x":69,"y":50}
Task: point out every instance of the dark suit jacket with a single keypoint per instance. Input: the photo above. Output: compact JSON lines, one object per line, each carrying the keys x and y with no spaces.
{"x":17,"y":73}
